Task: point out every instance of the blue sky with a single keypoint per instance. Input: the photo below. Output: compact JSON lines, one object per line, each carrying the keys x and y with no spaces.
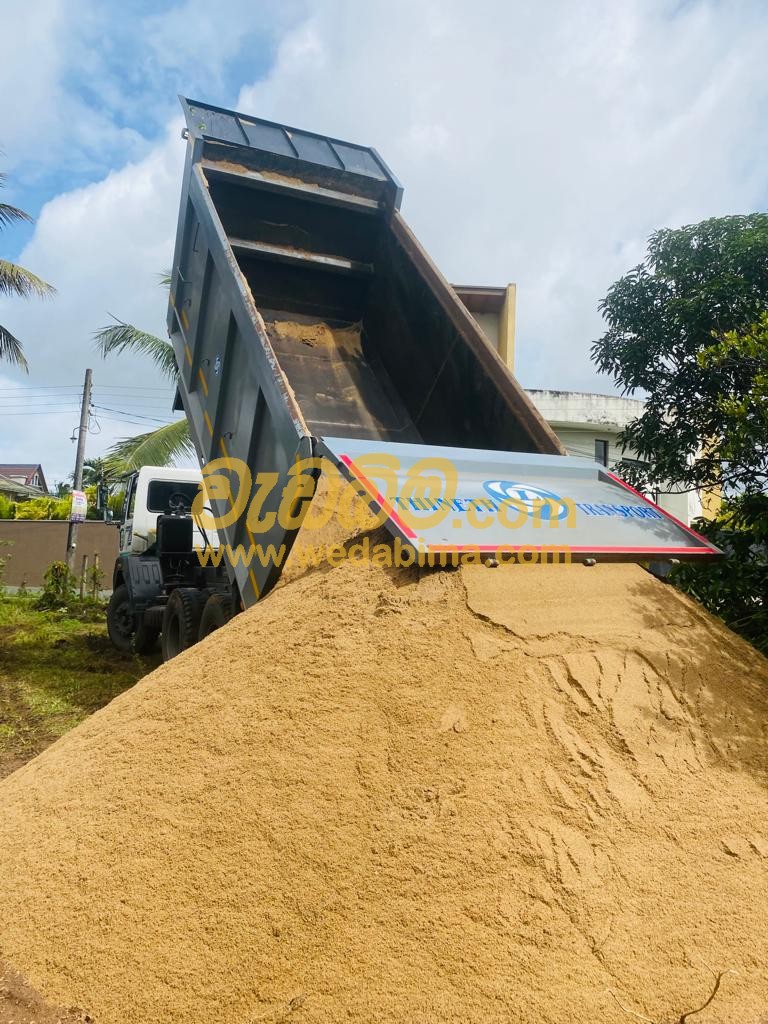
{"x":539,"y":144}
{"x":120,"y":70}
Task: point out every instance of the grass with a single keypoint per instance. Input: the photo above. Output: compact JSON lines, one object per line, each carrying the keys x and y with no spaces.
{"x":55,"y":670}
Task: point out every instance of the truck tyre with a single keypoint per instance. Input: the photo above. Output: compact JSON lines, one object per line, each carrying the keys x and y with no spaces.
{"x":120,"y":622}
{"x":181,"y":621}
{"x":216,"y":613}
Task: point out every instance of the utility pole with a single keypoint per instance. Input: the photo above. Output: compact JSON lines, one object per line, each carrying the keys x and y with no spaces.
{"x":79,"y":459}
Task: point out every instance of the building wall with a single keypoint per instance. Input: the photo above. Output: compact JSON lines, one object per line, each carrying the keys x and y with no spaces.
{"x":586,"y":407}
{"x":34,"y":544}
{"x":490,"y":326}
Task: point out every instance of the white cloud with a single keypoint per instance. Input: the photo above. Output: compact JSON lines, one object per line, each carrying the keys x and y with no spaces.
{"x":103,"y":246}
{"x":541,"y":143}
{"x":54,"y":114}
{"x":536,"y":143}
{"x":199,"y":32}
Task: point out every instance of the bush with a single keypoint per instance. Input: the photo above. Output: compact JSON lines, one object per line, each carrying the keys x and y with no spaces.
{"x":59,"y":584}
{"x":735,"y":587}
{"x":44,"y":508}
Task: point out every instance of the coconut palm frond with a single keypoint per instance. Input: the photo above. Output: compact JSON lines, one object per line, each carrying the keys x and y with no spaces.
{"x":122,"y":337}
{"x":11,"y":350}
{"x":165,"y":278}
{"x":8,"y":214}
{"x":159,"y":447}
{"x":15,"y":280}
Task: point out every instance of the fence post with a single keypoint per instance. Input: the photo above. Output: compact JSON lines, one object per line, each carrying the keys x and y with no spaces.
{"x":83,"y":576}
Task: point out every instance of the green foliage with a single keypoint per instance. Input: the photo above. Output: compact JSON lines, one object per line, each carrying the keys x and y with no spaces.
{"x":121,"y":337}
{"x":7,"y":508}
{"x":689,"y":327}
{"x":43,"y":508}
{"x":159,"y":447}
{"x":43,"y":688}
{"x":94,"y":581}
{"x":671,"y":322}
{"x":115,"y":504}
{"x":735,"y":588}
{"x":15,"y":280}
{"x":743,"y":448}
{"x":59,"y":586}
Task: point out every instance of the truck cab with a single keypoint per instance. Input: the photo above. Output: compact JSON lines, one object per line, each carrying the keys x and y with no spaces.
{"x":161,"y":588}
{"x":151,"y":492}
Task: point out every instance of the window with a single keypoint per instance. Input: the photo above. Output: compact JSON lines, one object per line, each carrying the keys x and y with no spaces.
{"x":131,"y":499}
{"x":160,"y":491}
{"x":601,"y":451}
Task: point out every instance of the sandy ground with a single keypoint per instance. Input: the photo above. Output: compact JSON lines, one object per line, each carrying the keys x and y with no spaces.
{"x":468,"y":796}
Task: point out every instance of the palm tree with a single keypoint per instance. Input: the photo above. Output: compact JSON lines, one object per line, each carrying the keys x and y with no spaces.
{"x":15,"y":280}
{"x":157,"y":447}
{"x":94,"y":471}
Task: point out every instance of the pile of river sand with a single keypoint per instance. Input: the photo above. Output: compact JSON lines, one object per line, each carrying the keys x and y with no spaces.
{"x":520,"y":794}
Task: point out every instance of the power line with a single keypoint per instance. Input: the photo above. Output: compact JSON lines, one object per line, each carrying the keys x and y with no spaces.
{"x":47,"y":411}
{"x":79,"y":387}
{"x":128,"y":412}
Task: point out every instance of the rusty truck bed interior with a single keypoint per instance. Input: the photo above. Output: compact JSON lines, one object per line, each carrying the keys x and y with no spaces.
{"x":363,"y":344}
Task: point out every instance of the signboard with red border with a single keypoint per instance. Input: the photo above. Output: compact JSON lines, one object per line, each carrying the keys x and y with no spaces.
{"x":459,"y":500}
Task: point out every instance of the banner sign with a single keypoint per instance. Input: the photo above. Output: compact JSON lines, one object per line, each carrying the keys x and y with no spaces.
{"x":79,"y":507}
{"x":462,"y":499}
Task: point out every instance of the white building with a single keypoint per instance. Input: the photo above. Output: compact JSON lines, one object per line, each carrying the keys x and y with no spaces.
{"x":587,"y":424}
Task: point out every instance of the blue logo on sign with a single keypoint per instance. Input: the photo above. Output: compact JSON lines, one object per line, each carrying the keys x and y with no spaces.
{"x":537,"y":499}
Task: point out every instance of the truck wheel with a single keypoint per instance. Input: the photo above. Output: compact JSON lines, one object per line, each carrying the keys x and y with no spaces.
{"x":181,"y":621}
{"x":120,"y":624}
{"x":217,"y":612}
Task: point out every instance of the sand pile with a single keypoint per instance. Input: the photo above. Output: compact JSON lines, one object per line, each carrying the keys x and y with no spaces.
{"x":389,"y":796}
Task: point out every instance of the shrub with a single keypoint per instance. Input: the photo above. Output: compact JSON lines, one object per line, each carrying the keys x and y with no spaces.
{"x":59,"y":585}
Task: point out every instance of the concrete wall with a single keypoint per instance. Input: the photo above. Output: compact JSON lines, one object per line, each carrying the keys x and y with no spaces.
{"x":566,"y":407}
{"x":35,"y":544}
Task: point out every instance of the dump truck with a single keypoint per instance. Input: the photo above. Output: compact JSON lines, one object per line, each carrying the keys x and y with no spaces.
{"x":311,"y":328}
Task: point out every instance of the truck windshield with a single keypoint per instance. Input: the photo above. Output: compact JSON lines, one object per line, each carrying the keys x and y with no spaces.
{"x":159,"y":493}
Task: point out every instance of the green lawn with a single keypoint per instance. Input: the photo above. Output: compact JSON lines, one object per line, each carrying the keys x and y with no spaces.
{"x":55,"y":669}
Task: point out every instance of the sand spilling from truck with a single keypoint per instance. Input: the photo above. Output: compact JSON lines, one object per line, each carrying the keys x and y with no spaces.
{"x":393,"y":795}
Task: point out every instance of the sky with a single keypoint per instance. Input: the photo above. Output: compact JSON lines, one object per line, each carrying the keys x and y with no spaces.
{"x":537,"y":143}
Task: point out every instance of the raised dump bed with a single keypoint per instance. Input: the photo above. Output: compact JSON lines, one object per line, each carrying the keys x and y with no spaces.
{"x":304,"y":313}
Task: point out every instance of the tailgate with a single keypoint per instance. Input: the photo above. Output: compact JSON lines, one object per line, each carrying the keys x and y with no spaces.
{"x":459,"y":500}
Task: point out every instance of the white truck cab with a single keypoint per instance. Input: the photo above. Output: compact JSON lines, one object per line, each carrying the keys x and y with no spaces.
{"x":155,"y":491}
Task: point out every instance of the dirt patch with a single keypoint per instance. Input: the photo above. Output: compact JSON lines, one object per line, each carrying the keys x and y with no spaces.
{"x":486,"y":795}
{"x":20,"y":1004}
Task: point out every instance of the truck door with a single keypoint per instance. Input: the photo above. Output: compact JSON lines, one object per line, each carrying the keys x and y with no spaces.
{"x":126,"y":524}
